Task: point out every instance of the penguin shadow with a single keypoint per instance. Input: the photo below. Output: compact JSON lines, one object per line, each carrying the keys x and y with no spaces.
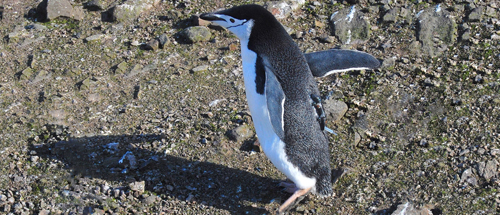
{"x":196,"y":182}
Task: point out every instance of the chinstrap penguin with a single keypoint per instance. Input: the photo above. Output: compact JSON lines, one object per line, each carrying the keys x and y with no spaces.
{"x":283,"y":96}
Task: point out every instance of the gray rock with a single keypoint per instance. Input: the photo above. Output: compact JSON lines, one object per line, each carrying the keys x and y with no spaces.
{"x":36,"y":26}
{"x":40,"y":75}
{"x":391,"y":15}
{"x":121,"y":67}
{"x":49,"y":10}
{"x":466,"y":174}
{"x":327,"y":39}
{"x":149,"y":200}
{"x":357,"y":138}
{"x":334,"y":109}
{"x":488,"y":169}
{"x":350,"y":26}
{"x":44,"y":212}
{"x":200,"y":68}
{"x":409,"y":209}
{"x":240,"y":133}
{"x":466,"y":35}
{"x":388,"y":63}
{"x":139,"y":69}
{"x":282,"y":9}
{"x":152,"y":45}
{"x":85,"y":84}
{"x":94,"y":37}
{"x":131,"y":9}
{"x":476,"y":14}
{"x":163,"y":39}
{"x":491,"y":12}
{"x":137,"y":186}
{"x":195,"y":34}
{"x":436,"y":30}
{"x":173,"y":14}
{"x":26,"y":74}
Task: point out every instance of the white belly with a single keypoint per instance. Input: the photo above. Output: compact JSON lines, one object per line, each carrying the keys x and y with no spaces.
{"x":273,"y":146}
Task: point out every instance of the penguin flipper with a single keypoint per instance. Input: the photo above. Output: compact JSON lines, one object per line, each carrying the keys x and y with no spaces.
{"x":275,"y":98}
{"x":324,"y":63}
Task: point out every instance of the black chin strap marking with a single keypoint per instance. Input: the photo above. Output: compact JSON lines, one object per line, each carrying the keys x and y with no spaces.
{"x":239,"y":24}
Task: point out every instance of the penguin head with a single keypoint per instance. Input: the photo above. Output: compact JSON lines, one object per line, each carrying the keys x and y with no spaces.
{"x":240,"y":19}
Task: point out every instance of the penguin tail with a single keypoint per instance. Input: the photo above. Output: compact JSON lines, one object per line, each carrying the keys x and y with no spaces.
{"x":324,"y":185}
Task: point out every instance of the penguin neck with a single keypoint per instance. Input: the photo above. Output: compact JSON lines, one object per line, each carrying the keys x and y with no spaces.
{"x":244,"y":30}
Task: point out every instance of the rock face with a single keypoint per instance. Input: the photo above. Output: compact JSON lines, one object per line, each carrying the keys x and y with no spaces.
{"x":350,"y":26}
{"x":131,"y":9}
{"x":51,"y":9}
{"x":436,"y":30}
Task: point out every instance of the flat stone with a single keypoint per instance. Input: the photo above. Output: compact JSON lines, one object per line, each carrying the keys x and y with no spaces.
{"x":350,"y":26}
{"x":318,"y":24}
{"x":152,"y":45}
{"x":149,"y":200}
{"x":476,"y":14}
{"x":121,"y":67}
{"x":173,"y":14}
{"x":37,"y":26}
{"x":131,"y":9}
{"x":241,"y":133}
{"x":388,"y":63}
{"x":40,"y":75}
{"x":139,"y":69}
{"x":163,"y":39}
{"x":94,"y":37}
{"x":466,"y":174}
{"x":85,"y":84}
{"x":137,"y":186}
{"x":436,"y":30}
{"x":200,"y":68}
{"x":327,"y":39}
{"x":334,"y":109}
{"x":26,"y":74}
{"x":195,"y":34}
{"x":51,"y":9}
{"x":280,"y":9}
{"x":491,"y":12}
{"x":409,"y":208}
{"x":391,"y":15}
{"x":488,"y":169}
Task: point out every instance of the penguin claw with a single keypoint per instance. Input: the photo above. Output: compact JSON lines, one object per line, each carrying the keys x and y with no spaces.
{"x":295,"y":199}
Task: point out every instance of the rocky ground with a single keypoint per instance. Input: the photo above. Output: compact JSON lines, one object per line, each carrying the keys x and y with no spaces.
{"x":136,"y":106}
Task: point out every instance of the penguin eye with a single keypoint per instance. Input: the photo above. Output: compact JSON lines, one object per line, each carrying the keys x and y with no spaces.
{"x":232,"y":20}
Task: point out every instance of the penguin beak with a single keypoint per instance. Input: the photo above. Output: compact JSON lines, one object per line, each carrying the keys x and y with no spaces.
{"x":211,"y":17}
